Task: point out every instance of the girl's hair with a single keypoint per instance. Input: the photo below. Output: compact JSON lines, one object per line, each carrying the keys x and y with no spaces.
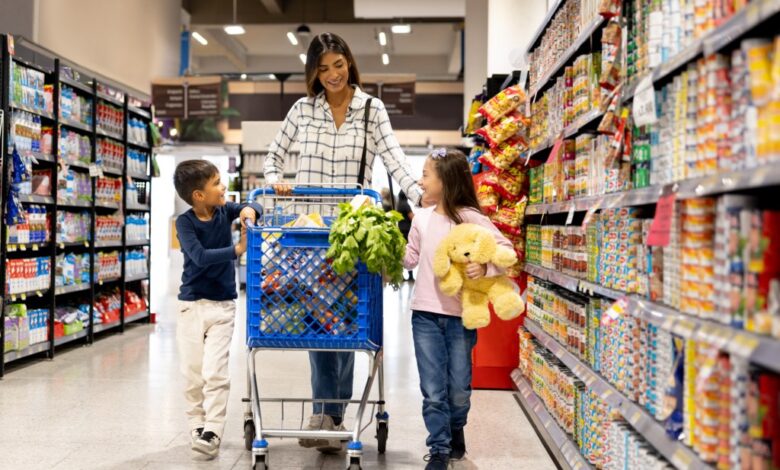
{"x":453,"y":170}
{"x":321,"y":44}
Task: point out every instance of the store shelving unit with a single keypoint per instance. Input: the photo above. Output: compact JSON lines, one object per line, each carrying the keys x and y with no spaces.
{"x":759,"y":350}
{"x":59,"y":73}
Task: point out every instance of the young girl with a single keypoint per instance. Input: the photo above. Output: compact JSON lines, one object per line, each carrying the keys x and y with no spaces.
{"x":442,"y":345}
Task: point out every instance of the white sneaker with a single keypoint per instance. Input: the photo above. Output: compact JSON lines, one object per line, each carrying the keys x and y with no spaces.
{"x":317,"y":423}
{"x":207,"y":444}
{"x":333,"y":446}
{"x":195,"y":435}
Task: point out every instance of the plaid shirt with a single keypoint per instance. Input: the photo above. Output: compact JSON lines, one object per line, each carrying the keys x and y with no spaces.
{"x":333,"y":156}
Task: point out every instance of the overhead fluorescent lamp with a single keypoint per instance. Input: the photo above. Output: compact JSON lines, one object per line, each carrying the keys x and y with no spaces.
{"x":235,"y":29}
{"x":272,"y":76}
{"x":292,"y":38}
{"x":385,"y":59}
{"x":401,"y":28}
{"x":302,"y":56}
{"x":243,"y":76}
{"x":382,"y":38}
{"x":196,"y":36}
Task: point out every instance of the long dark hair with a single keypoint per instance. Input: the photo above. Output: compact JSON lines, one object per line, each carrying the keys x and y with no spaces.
{"x":455,"y":175}
{"x":322,"y":43}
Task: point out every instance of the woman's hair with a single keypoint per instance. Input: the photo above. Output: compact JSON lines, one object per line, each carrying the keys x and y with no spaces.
{"x":321,"y":44}
{"x":452,"y":168}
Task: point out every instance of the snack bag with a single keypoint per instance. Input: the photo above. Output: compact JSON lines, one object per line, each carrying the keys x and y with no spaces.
{"x":610,"y":8}
{"x":503,"y":103}
{"x":509,"y":217}
{"x":502,"y":130}
{"x":475,"y":118}
{"x":611,"y":42}
{"x":486,"y":193}
{"x":503,"y":156}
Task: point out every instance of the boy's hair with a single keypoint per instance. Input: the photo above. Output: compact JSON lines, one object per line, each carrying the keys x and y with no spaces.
{"x":191,"y":176}
{"x":453,"y":170}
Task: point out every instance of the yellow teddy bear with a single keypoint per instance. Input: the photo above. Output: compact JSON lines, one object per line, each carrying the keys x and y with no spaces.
{"x":471,"y":243}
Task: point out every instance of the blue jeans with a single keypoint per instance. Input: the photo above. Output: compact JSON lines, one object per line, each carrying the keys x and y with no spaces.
{"x":331,"y":378}
{"x":443,"y":350}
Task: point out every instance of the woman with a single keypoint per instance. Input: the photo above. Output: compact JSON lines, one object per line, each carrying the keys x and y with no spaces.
{"x":329,"y":127}
{"x":405,"y":225}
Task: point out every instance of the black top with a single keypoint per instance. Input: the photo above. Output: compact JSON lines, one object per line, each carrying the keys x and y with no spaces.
{"x":405,"y":225}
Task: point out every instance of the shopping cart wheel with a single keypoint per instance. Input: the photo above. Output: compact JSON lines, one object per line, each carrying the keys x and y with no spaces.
{"x":249,"y":434}
{"x":260,"y":463}
{"x":381,"y":436}
{"x":354,"y":464}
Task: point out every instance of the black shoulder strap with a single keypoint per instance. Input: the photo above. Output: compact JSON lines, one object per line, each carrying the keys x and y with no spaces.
{"x":362,"y":172}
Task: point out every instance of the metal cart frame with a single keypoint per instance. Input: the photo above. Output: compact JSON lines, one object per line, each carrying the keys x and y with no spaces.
{"x":255,"y":435}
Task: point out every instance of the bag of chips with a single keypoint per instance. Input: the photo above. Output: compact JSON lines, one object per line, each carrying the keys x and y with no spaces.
{"x":486,"y":193}
{"x":505,"y":128}
{"x":503,"y":156}
{"x":509,"y":184}
{"x":506,"y":101}
{"x":475,"y":119}
{"x":509,"y":217}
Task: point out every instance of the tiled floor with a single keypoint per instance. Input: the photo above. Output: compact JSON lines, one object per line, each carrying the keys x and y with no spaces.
{"x":116,"y":404}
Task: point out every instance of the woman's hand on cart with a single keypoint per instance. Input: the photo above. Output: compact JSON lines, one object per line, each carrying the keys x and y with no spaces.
{"x":282,"y":189}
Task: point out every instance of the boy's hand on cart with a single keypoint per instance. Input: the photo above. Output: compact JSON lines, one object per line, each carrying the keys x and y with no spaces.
{"x":282,"y":189}
{"x":241,"y":245}
{"x":476,"y":270}
{"x":247,"y":216}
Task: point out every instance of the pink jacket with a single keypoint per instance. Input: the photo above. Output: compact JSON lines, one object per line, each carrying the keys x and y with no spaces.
{"x":428,"y":230}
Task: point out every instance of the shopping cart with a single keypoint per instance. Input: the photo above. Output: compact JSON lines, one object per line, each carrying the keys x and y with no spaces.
{"x":296,"y":302}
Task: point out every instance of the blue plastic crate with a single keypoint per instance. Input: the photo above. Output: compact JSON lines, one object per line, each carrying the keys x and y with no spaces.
{"x":294,"y":299}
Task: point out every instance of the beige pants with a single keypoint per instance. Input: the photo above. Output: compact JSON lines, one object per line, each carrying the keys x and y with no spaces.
{"x":204,"y":331}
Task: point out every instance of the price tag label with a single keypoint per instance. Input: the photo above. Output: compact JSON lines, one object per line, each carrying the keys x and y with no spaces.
{"x":644,"y":110}
{"x":684,"y":328}
{"x":13,"y":298}
{"x":661,"y":225}
{"x":22,"y":247}
{"x":635,"y":417}
{"x":753,"y":13}
{"x":743,"y":344}
{"x":11,"y":247}
{"x":681,"y":458}
{"x":86,"y":244}
{"x":39,"y":293}
{"x":62,"y":246}
{"x":94,"y":171}
{"x":24,"y":296}
{"x":570,"y":217}
{"x":35,"y":247}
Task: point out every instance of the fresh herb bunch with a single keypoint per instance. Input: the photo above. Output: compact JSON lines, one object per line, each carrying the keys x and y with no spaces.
{"x":371,"y":235}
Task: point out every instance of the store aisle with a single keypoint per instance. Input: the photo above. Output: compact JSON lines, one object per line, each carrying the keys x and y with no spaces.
{"x":117,"y":404}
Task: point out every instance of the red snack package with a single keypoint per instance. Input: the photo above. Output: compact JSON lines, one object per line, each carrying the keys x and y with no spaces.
{"x":486,"y":194}
{"x":503,"y":156}
{"x":509,"y":184}
{"x":610,"y":8}
{"x":507,"y":127}
{"x":509,"y":218}
{"x":503,"y":103}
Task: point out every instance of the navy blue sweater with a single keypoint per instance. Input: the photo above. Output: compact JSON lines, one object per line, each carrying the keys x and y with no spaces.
{"x":209,"y":271}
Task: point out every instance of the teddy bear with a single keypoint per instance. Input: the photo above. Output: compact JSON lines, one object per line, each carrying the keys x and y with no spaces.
{"x":472,"y":243}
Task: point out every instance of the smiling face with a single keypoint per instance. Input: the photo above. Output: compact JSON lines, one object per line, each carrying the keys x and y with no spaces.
{"x":430,"y":183}
{"x":333,"y":72}
{"x":213,"y":192}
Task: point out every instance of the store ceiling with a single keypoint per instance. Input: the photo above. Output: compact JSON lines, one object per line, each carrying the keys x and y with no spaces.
{"x":431,"y":50}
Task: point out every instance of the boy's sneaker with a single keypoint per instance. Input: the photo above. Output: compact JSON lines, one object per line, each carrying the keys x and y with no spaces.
{"x":318,"y":422}
{"x":208,"y":444}
{"x":195,"y":434}
{"x":437,"y":462}
{"x":458,"y":444}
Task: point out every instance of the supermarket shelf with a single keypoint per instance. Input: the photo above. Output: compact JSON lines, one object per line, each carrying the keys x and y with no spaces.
{"x":139,"y":176}
{"x":109,"y":280}
{"x":21,"y":107}
{"x":137,"y":242}
{"x":139,"y":207}
{"x":71,"y":338}
{"x":142,"y":145}
{"x":725,"y":182}
{"x":75,"y":124}
{"x":111,"y":171}
{"x":137,"y":316}
{"x":38,"y":156}
{"x":110,"y":99}
{"x":569,"y":55}
{"x":107,"y":205}
{"x":755,"y":13}
{"x":758,"y":349}
{"x":33,"y":248}
{"x":78,"y":164}
{"x":136,"y":277}
{"x":32,"y":65}
{"x":109,"y":134}
{"x":100,"y":327}
{"x":545,"y":23}
{"x":75,"y":84}
{"x":567,"y":282}
{"x":139,"y":112}
{"x":72,"y":288}
{"x":109,"y":244}
{"x":26,"y":352}
{"x":35,"y":199}
{"x":560,"y":445}
{"x":25,"y":295}
{"x":677,"y":453}
{"x":571,"y":130}
{"x":63,"y":245}
{"x":75,"y":203}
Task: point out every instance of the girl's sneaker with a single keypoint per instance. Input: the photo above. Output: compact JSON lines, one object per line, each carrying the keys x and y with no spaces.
{"x":458,"y":444}
{"x":208,"y":444}
{"x":195,"y":434}
{"x":437,"y":462}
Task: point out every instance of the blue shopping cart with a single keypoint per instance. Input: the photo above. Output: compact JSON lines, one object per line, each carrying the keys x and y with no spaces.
{"x":296,"y":302}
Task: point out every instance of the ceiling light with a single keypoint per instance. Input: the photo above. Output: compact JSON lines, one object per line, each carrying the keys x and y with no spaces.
{"x":292,"y":38}
{"x":174,"y":132}
{"x":401,"y":28}
{"x":302,"y":56}
{"x":196,"y":36}
{"x":243,"y":76}
{"x":234,"y":29}
{"x":382,"y":38}
{"x":385,"y":59}
{"x":272,"y":76}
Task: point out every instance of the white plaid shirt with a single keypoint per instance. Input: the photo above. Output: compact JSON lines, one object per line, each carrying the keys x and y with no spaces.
{"x":331,"y":156}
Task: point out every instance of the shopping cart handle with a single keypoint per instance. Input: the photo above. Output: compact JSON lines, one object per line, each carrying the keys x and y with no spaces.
{"x":306,"y":191}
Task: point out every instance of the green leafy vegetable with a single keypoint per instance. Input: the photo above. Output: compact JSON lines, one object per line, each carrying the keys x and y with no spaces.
{"x":370,"y":235}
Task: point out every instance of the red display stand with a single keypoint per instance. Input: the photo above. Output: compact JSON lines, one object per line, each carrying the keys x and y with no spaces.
{"x":497,"y":352}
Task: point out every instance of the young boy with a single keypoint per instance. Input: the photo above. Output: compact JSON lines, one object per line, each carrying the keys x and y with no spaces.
{"x":207,"y":305}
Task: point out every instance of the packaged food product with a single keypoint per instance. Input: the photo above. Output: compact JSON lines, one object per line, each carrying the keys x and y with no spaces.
{"x":503,"y":103}
{"x":505,"y":154}
{"x":486,"y":193}
{"x":502,"y":130}
{"x":509,"y":217}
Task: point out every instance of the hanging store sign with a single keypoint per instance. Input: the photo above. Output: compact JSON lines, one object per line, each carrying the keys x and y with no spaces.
{"x":397,"y":92}
{"x":187,"y":97}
